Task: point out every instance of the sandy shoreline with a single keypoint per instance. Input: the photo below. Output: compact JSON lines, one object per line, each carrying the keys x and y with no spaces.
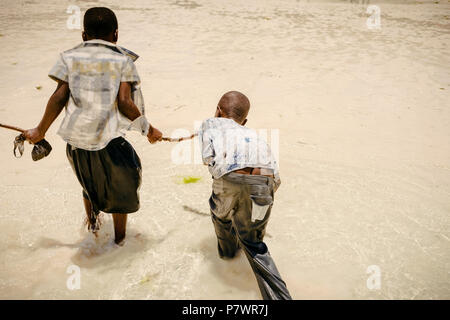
{"x":364,"y":123}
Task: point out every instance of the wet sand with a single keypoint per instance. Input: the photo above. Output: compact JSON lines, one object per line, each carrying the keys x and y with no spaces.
{"x":364,"y":125}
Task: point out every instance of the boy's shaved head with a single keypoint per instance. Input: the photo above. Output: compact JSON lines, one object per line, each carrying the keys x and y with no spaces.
{"x":99,"y":22}
{"x":235,"y":105}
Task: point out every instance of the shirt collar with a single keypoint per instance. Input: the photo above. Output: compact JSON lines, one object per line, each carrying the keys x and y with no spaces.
{"x":122,"y":50}
{"x":226,"y":120}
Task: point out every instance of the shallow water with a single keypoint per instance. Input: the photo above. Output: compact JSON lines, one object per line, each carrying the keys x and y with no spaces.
{"x":364,"y":125}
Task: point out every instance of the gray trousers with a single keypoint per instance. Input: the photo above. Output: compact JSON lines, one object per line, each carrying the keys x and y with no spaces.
{"x":240,"y":209}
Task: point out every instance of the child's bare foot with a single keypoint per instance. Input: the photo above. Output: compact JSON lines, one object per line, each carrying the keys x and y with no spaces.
{"x":120,"y":241}
{"x":92,"y":220}
{"x":93,"y":224}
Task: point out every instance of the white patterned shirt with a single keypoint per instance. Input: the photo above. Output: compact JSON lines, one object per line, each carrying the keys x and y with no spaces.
{"x":94,"y":70}
{"x":227,"y":146}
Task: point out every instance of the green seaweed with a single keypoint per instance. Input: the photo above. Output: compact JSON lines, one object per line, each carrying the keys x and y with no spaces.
{"x":190,"y":179}
{"x":148,"y":278}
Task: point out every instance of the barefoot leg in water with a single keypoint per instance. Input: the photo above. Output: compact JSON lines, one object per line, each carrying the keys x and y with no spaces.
{"x":92,"y":223}
{"x":120,"y":226}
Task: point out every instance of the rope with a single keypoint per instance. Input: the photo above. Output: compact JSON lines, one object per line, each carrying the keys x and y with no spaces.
{"x":179,"y":139}
{"x":163,"y":138}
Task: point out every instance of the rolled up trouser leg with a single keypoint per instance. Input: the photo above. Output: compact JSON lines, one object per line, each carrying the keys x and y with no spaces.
{"x":250,"y":218}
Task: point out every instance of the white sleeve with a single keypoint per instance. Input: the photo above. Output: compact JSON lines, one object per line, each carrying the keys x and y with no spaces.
{"x":206,"y":144}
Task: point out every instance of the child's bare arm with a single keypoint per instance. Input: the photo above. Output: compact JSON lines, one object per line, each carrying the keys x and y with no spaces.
{"x":128,"y":109}
{"x":125,"y":102}
{"x":54,"y":107}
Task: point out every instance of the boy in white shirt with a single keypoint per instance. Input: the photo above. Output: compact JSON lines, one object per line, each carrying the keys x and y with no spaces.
{"x":245,"y":178}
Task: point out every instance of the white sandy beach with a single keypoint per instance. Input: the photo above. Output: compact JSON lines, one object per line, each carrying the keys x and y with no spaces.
{"x":364,"y":149}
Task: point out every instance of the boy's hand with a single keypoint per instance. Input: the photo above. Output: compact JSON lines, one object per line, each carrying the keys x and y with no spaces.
{"x":33,"y":135}
{"x":154,"y":135}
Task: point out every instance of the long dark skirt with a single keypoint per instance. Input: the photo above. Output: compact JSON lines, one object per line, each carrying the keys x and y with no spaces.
{"x":110,"y":177}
